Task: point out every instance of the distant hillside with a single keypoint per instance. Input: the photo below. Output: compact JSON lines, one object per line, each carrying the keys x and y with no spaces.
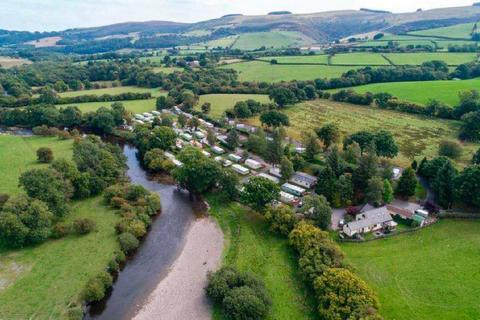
{"x":318,"y":27}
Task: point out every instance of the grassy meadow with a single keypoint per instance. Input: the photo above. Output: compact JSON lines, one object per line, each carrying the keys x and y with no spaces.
{"x":167,"y":70}
{"x":422,"y":91}
{"x":18,"y":154}
{"x":8,"y":62}
{"x":416,"y":136}
{"x":359,"y":58}
{"x":222,"y":102}
{"x":418,"y":58}
{"x":265,"y":72}
{"x":250,"y":246}
{"x":271,"y":39}
{"x":112,"y":91}
{"x":428,"y":274}
{"x":318,"y":58}
{"x":135,"y":106}
{"x":460,"y":31}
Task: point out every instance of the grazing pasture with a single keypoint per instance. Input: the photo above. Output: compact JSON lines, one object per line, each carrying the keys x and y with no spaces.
{"x":360,"y":58}
{"x":318,"y":58}
{"x":112,"y":91}
{"x":135,"y":106}
{"x":416,"y":136}
{"x":250,"y":246}
{"x":8,"y":62}
{"x":418,"y":58}
{"x":272,"y":39}
{"x":422,"y":91}
{"x":428,"y":274}
{"x":18,"y":154}
{"x":222,"y":102}
{"x":265,"y":72}
{"x":460,"y":31}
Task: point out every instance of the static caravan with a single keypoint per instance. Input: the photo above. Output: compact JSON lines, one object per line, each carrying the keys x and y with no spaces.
{"x":199,"y":135}
{"x":169,"y":156}
{"x":206,"y":154}
{"x":240,"y":169}
{"x":252,"y":164}
{"x":148,"y":115}
{"x":304,"y":180}
{"x":292,"y":189}
{"x":275,"y":172}
{"x":186,"y":137}
{"x":217,"y":150}
{"x":287,"y":197}
{"x":218,"y":159}
{"x":422,"y":213}
{"x":155,"y":113}
{"x":139,"y":117}
{"x":177,"y":163}
{"x":227,"y":163}
{"x":269,"y":177}
{"x":234,"y":157}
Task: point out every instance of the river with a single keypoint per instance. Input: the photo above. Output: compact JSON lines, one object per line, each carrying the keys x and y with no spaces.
{"x":157,"y":253}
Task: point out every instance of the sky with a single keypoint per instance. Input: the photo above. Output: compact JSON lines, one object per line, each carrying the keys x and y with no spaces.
{"x":55,"y":15}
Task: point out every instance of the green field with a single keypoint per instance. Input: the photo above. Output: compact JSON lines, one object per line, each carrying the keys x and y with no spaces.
{"x":250,"y":246}
{"x":428,"y":274}
{"x":135,"y":106}
{"x":222,"y":42}
{"x":319,"y":58}
{"x":18,"y":154}
{"x":112,"y":91}
{"x":445,"y":43}
{"x":222,"y":102}
{"x":272,"y":39}
{"x":166,"y":70}
{"x":401,"y":44}
{"x":265,"y":72}
{"x":462,"y":31}
{"x":422,"y":91}
{"x":416,"y":136}
{"x":360,"y":58}
{"x":8,"y":62}
{"x":39,"y":282}
{"x":420,"y":57}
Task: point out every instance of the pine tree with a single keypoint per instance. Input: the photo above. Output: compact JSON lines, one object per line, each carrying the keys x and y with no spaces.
{"x":274,"y":150}
{"x":443,"y":185}
{"x":407,"y":183}
{"x":374,"y":194}
{"x":286,"y":169}
{"x":335,"y":161}
{"x":367,"y":168}
{"x":387,"y":191}
{"x":232,"y":139}
{"x":327,"y":183}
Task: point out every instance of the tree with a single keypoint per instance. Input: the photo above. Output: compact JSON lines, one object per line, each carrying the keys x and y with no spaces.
{"x":164,"y":103}
{"x":385,"y":144}
{"x":444,"y":185}
{"x":470,"y":129}
{"x":407,"y":183}
{"x":48,"y":186}
{"x":274,"y":148}
{"x":274,"y":118}
{"x":317,"y":208}
{"x":233,"y":139}
{"x":343,"y":295}
{"x":312,"y":147}
{"x":352,"y":153}
{"x":286,"y":169}
{"x":367,"y":168}
{"x":194,"y":123}
{"x":282,"y":96}
{"x":327,"y":183}
{"x":335,"y":161}
{"x":363,"y":138}
{"x":429,"y":168}
{"x":156,"y":161}
{"x":103,"y":121}
{"x":329,"y":134}
{"x":345,"y":189}
{"x":387,"y":193}
{"x":206,"y":107}
{"x":24,"y":221}
{"x":467,"y":188}
{"x":44,"y":155}
{"x":259,"y":192}
{"x":241,"y":110}
{"x":198,"y":173}
{"x":281,"y":219}
{"x":162,"y":138}
{"x":257,"y":142}
{"x":228,"y":182}
{"x":211,"y":137}
{"x":450,"y":149}
{"x":182,"y":120}
{"x":374,"y":194}
{"x":476,"y":157}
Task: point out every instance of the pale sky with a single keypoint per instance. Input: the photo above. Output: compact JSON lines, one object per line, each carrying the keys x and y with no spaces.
{"x":48,"y":15}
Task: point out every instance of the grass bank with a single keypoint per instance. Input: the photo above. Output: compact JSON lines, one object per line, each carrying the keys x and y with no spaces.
{"x":250,"y":246}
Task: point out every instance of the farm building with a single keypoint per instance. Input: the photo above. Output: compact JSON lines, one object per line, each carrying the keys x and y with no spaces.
{"x":269,"y":177}
{"x":234,"y":157}
{"x":292,"y":189}
{"x":217,"y":150}
{"x":240,"y":169}
{"x":303,"y":179}
{"x":372,"y":220}
{"x":252,"y":164}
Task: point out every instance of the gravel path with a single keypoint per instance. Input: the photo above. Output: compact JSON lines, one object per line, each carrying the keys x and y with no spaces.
{"x":180,"y":295}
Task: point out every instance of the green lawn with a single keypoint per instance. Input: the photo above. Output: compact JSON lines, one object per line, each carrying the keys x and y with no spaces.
{"x":420,"y":57}
{"x":429,"y":274}
{"x":39,"y":282}
{"x":456,"y":31}
{"x":360,"y":58}
{"x":416,"y":136}
{"x":265,"y":72}
{"x":135,"y":106}
{"x":319,"y":58}
{"x":18,"y":154}
{"x":423,"y":91}
{"x":271,"y":39}
{"x":112,"y":91}
{"x":250,"y":246}
{"x":222,"y":102}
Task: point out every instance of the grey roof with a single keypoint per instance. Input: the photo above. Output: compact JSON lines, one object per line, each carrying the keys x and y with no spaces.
{"x":370,"y":218}
{"x":304,"y":176}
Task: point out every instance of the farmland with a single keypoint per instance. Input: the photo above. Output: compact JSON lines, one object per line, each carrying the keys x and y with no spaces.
{"x":319,"y":59}
{"x":421,"y":57}
{"x":8,"y":62}
{"x":421,"y":92}
{"x":19,"y":154}
{"x":135,"y":106}
{"x":166,"y":70}
{"x":272,"y":39}
{"x":250,"y":246}
{"x":429,"y":274}
{"x":222,"y":102}
{"x":264,"y":72}
{"x":416,"y":136}
{"x":459,"y":31}
{"x":112,"y":91}
{"x":361,"y":58}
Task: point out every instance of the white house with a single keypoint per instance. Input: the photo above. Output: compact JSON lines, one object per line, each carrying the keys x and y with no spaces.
{"x":304,"y":180}
{"x":252,"y":164}
{"x":372,"y":220}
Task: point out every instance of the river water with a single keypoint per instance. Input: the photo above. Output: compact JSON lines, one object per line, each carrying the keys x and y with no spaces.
{"x":156,"y":254}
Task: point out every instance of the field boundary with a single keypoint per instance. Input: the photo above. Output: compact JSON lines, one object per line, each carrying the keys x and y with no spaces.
{"x":389,"y":61}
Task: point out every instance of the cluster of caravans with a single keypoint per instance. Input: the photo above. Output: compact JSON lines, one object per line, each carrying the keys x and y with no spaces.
{"x":146,"y":117}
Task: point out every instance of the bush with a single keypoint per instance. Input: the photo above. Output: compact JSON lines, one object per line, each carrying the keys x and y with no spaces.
{"x":61,"y":229}
{"x":113,"y":265}
{"x":244,"y":303}
{"x":306,"y":236}
{"x":450,"y":149}
{"x":133,"y":226}
{"x":75,"y":313}
{"x":281,"y":219}
{"x":128,"y":242}
{"x":44,"y":155}
{"x":94,"y":290}
{"x":83,"y":226}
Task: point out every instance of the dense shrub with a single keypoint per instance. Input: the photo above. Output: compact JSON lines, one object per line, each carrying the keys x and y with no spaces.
{"x":133,"y":226}
{"x":97,"y":286}
{"x":83,"y":226}
{"x":245,"y":303}
{"x":44,"y":155}
{"x":450,"y":149}
{"x":61,"y":229}
{"x":281,"y":219}
{"x":128,"y":242}
{"x":306,"y":236}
